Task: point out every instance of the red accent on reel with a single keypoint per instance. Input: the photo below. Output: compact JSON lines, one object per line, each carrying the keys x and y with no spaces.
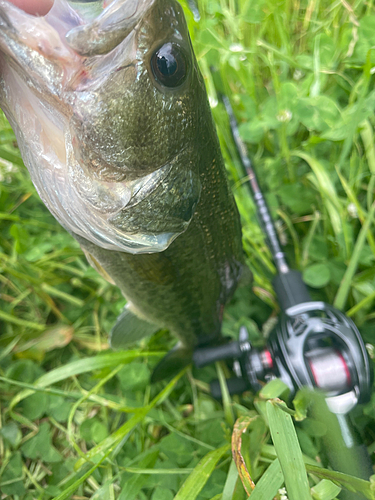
{"x":267,"y":360}
{"x":346,"y":368}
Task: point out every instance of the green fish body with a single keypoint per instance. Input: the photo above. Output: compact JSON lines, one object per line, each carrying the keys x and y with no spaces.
{"x":114,"y":125}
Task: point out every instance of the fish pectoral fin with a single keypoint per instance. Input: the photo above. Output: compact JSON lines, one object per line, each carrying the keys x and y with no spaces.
{"x":172,"y":363}
{"x":128,"y":329}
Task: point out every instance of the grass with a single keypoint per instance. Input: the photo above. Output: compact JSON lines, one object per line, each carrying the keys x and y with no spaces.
{"x":78,"y":421}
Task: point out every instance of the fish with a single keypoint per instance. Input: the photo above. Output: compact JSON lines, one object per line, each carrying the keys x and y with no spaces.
{"x":112,"y":119}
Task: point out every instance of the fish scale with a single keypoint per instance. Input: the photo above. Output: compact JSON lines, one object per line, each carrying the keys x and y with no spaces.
{"x":114,"y":125}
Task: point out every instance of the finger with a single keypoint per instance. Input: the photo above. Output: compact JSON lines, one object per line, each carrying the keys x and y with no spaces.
{"x":35,"y":7}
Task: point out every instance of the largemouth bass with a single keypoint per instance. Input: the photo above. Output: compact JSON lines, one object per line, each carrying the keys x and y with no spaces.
{"x":112,"y":119}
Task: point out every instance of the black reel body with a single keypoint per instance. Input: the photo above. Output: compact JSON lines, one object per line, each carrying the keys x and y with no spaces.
{"x":314,"y":345}
{"x":317,"y":346}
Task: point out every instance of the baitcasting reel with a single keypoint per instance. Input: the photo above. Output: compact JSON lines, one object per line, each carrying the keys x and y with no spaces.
{"x":314,"y":345}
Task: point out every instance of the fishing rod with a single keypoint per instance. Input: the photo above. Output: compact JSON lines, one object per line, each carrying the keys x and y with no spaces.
{"x":314,"y":345}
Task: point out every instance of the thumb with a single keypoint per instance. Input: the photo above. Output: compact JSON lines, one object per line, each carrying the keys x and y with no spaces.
{"x":35,"y":7}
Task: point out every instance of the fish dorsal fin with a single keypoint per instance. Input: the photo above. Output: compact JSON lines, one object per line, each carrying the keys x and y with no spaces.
{"x":128,"y":329}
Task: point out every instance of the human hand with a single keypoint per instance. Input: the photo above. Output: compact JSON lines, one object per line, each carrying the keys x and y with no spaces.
{"x":35,"y":7}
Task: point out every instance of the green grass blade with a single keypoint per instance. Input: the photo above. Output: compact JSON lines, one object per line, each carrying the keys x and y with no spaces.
{"x":361,"y":213}
{"x":82,"y":366}
{"x":351,"y":483}
{"x":102,"y":400}
{"x":200,"y":475}
{"x":343,"y":291}
{"x":21,"y":322}
{"x":356,"y":116}
{"x":227,"y":402}
{"x":158,"y":472}
{"x":116,"y":437}
{"x":85,"y":397}
{"x":12,"y":158}
{"x":68,"y":492}
{"x":230,"y":482}
{"x":325,"y":490}
{"x":274,"y":389}
{"x":269,"y":484}
{"x":359,"y":305}
{"x":136,"y":483}
{"x":288,"y":451}
{"x":326,"y":188}
{"x":367,"y":137}
{"x":269,"y":453}
{"x":54,"y":292}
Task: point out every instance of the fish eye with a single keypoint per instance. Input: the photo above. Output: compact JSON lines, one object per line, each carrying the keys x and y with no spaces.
{"x":169,"y":65}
